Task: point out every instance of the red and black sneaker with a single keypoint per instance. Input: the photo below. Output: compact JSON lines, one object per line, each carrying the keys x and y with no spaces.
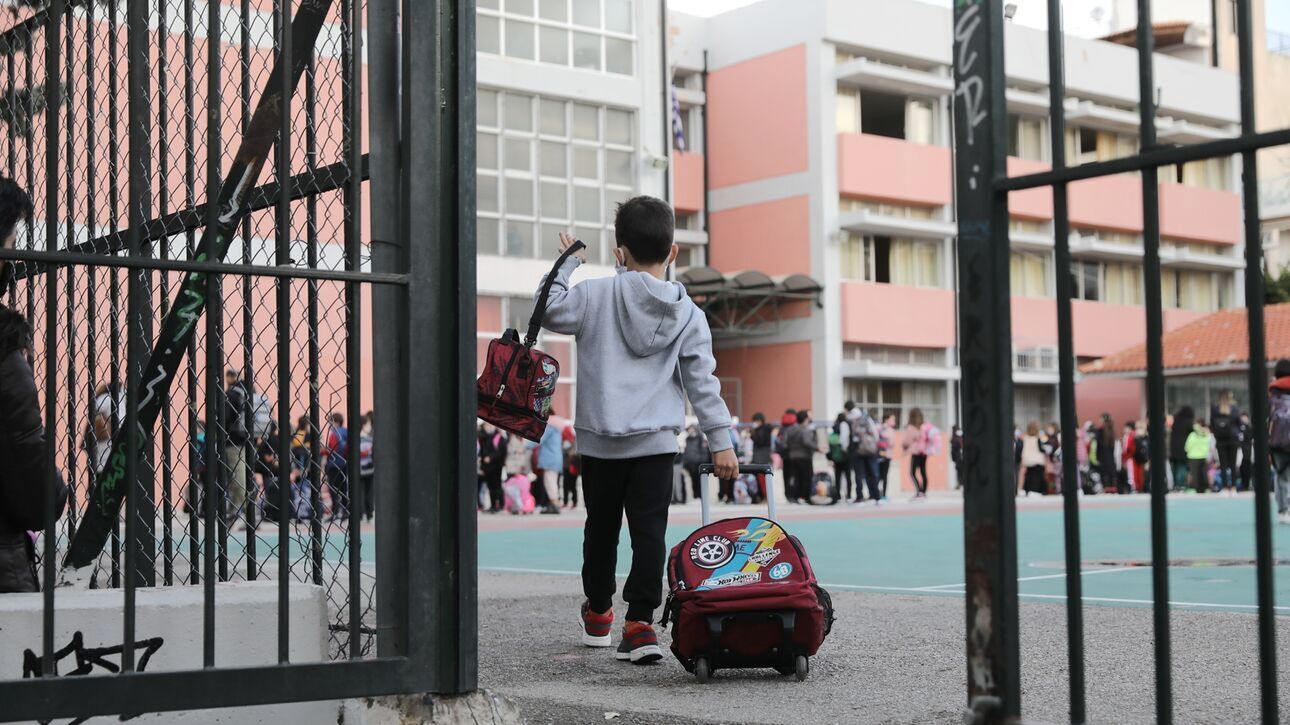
{"x":639,"y":644}
{"x":596,"y":626}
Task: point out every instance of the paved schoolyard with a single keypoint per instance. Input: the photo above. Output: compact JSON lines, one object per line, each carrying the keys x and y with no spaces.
{"x":897,"y":653}
{"x":917,"y":548}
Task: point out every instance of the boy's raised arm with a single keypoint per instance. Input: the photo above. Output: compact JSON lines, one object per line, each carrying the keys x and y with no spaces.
{"x":698,"y":375}
{"x":565,"y":305}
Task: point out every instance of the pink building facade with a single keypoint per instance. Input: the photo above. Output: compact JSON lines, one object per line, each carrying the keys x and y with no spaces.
{"x":829,"y":154}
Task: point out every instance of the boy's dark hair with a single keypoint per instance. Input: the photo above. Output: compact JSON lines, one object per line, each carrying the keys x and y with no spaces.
{"x":645,"y":226}
{"x":802,"y":415}
{"x":850,"y":406}
{"x":15,"y":205}
{"x":337,"y":419}
{"x":759,"y":417}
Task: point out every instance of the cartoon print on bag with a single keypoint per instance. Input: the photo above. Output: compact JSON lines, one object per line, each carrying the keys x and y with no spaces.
{"x":711,"y":551}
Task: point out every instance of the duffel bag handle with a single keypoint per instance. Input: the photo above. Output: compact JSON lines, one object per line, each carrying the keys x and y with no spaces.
{"x":539,"y":310}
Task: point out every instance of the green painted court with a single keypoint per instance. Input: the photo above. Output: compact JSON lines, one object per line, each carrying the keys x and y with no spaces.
{"x":918,"y":548}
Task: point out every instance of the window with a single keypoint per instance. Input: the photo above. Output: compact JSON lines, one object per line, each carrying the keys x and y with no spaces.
{"x":885,"y":114}
{"x":597,"y":35}
{"x":690,"y":255}
{"x":848,"y":110}
{"x":1202,"y":174}
{"x":882,"y":114}
{"x":892,"y":210}
{"x":1034,"y":404}
{"x":1026,"y":138}
{"x":887,"y":355}
{"x":909,"y":262}
{"x":548,"y":165}
{"x":1030,"y":274}
{"x":1086,"y":280}
{"x":1116,"y":283}
{"x":1196,"y":290}
{"x":1122,"y":282}
{"x":897,"y":397}
{"x":1086,"y":145}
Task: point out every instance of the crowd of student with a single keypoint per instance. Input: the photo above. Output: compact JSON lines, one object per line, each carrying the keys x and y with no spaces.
{"x":818,"y":463}
{"x":247,"y":479}
{"x":1204,"y":454}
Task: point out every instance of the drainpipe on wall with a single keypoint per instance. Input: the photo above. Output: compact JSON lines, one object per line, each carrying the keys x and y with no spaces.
{"x":704,"y":125}
{"x":1213,"y":32}
{"x":667,"y":100}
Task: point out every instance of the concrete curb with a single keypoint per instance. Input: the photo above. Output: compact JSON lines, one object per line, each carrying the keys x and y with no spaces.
{"x":481,"y":707}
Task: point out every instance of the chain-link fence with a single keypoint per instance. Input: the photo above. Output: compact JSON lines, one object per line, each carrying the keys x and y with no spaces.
{"x":270,"y":393}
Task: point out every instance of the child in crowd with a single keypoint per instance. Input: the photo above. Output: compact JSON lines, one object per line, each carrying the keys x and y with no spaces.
{"x":1199,"y":451}
{"x":643,"y":346}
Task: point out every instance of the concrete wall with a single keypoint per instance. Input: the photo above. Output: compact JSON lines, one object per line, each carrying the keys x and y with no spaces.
{"x":245,"y":630}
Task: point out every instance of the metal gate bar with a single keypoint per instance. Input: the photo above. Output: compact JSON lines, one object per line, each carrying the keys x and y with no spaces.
{"x":1258,"y":378}
{"x":982,"y":188}
{"x":1066,"y":368}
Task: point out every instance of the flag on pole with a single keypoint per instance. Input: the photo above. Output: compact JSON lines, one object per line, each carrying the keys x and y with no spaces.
{"x":678,"y":129}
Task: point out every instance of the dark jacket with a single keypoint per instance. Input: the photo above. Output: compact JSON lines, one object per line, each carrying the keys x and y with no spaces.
{"x":801,"y":442}
{"x":22,"y":448}
{"x":1184,"y":422}
{"x":696,"y":450}
{"x":492,"y":452}
{"x":762,"y":442}
{"x":235,"y":409}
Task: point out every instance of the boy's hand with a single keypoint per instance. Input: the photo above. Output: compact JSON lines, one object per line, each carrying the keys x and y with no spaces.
{"x":566,"y":241}
{"x":725,"y":464}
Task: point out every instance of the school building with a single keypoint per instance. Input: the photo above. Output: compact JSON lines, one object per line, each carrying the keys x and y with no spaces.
{"x":806,"y":148}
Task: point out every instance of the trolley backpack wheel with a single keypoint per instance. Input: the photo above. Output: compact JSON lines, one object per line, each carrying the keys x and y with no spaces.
{"x":801,"y":668}
{"x":702,"y":670}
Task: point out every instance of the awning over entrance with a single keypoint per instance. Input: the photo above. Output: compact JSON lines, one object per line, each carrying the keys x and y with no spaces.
{"x":748,"y":303}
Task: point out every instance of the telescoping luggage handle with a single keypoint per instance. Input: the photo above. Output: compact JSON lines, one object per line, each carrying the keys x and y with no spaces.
{"x":539,"y":310}
{"x":706,"y":470}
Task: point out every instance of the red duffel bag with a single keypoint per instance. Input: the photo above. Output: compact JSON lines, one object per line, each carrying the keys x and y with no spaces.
{"x":743,"y":595}
{"x":518,"y":381}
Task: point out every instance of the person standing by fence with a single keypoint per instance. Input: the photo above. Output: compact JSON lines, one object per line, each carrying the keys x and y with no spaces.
{"x":1033,"y":461}
{"x":22,"y":434}
{"x":839,"y":438}
{"x":336,"y":455}
{"x":1225,"y":423}
{"x":1279,"y":436}
{"x":236,"y":408}
{"x":802,"y":447}
{"x":1184,"y":422}
{"x":492,"y":460}
{"x":915,"y":446}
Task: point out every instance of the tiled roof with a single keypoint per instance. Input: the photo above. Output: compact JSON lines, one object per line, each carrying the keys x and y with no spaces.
{"x":1219,"y":339}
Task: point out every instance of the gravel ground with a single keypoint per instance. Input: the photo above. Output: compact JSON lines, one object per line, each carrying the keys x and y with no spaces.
{"x":890,"y":659}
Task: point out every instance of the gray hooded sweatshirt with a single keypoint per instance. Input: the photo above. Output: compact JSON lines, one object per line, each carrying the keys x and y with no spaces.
{"x":642,"y":346}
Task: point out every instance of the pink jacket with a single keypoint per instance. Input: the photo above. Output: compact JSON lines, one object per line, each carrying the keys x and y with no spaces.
{"x":914,"y":443}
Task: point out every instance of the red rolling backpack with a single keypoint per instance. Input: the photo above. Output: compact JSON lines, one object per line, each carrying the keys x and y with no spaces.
{"x":743,"y":595}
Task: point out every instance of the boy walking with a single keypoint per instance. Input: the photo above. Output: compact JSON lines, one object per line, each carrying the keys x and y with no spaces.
{"x":642,"y":346}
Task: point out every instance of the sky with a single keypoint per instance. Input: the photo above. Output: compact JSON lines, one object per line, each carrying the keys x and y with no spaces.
{"x":1086,"y":18}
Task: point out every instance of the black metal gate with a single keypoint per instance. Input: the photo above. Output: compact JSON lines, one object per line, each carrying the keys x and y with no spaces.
{"x":980,"y":119}
{"x":339,"y":280}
